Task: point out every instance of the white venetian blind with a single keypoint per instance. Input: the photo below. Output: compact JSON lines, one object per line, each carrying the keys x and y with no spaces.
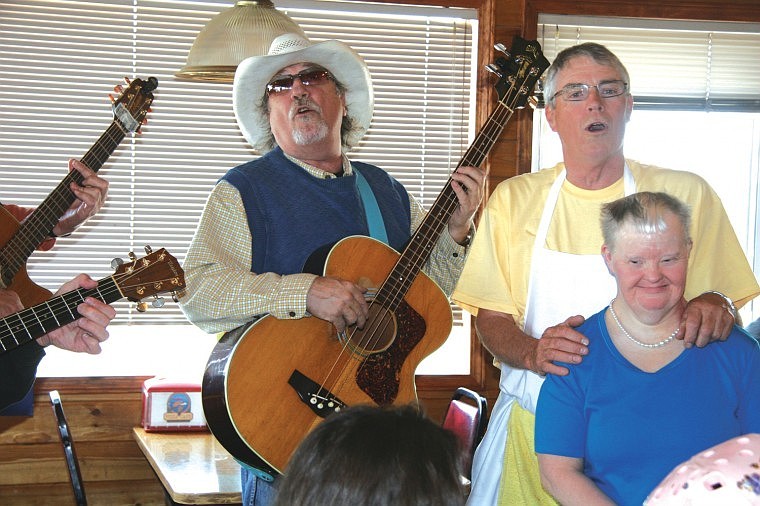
{"x":60,"y":59}
{"x":710,"y":66}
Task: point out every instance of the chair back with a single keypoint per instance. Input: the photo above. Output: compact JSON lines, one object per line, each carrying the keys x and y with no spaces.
{"x":467,"y":417}
{"x":68,"y":449}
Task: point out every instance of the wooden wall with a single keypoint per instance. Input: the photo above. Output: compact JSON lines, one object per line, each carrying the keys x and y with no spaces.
{"x":102,"y":411}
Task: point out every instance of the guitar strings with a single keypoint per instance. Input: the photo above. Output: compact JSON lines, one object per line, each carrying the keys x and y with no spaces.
{"x":40,"y":222}
{"x":377,"y":326}
{"x":109,"y":289}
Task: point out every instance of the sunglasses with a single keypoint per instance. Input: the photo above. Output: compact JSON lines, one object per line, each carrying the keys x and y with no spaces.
{"x":312,"y":77}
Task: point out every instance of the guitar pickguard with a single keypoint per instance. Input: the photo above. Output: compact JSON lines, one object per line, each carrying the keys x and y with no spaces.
{"x":379,"y":375}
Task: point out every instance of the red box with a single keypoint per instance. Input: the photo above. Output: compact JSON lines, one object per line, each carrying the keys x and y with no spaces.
{"x":172,"y":406}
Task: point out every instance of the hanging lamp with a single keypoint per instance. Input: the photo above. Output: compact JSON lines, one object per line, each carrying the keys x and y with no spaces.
{"x":246,"y":29}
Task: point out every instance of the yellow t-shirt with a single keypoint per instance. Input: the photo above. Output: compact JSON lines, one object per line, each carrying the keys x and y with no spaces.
{"x":498,"y":266}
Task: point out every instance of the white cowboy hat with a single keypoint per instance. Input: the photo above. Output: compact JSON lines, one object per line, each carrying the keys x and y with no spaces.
{"x":255,"y":72}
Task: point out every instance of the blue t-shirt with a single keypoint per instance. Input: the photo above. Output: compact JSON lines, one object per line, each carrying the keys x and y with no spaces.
{"x":632,"y":427}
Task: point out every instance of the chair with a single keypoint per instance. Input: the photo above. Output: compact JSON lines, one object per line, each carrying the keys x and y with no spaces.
{"x":68,"y":449}
{"x":467,"y":417}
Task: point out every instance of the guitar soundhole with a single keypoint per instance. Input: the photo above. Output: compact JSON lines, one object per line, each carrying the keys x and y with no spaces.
{"x":378,"y":333}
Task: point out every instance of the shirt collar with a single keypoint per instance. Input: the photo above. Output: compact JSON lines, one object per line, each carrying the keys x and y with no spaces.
{"x":347,"y":171}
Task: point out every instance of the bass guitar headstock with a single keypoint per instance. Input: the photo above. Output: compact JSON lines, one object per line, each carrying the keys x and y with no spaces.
{"x":133,"y":104}
{"x":158,"y":272}
{"x":518,"y":70}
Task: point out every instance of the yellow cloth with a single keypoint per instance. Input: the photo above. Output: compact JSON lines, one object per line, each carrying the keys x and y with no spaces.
{"x":498,"y":266}
{"x":520,"y":481}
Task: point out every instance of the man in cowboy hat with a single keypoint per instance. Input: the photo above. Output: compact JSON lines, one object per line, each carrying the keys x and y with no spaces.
{"x":304,"y":105}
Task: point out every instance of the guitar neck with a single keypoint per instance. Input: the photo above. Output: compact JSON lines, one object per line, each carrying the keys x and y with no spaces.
{"x":40,"y":223}
{"x":429,"y":231}
{"x":36,"y":321}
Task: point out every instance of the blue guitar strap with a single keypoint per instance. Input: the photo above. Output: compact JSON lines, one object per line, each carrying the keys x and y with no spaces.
{"x":371,"y":209}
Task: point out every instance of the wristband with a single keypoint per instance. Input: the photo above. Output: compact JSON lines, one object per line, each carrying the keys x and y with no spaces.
{"x":728,"y":304}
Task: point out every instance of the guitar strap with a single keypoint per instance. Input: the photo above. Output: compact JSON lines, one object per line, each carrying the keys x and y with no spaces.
{"x":375,"y":221}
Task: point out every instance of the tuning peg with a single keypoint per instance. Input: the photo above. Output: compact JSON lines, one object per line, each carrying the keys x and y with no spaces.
{"x":157,"y":302}
{"x":118,"y":89}
{"x":142,"y":307}
{"x":127,"y":80}
{"x":537,"y":100}
{"x":494,"y":69}
{"x":502,"y":49}
{"x":112,"y":98}
{"x":132,"y":256}
{"x":148,"y":249}
{"x":175,"y":297}
{"x":116,"y":262}
{"x":150,"y":85}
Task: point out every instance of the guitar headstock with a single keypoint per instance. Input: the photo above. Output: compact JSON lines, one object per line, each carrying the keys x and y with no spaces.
{"x":518,"y":70}
{"x":132,"y":106}
{"x":158,"y":272}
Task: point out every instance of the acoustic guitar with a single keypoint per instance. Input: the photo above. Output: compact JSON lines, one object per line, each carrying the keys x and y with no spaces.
{"x":269,"y":383}
{"x":158,"y":272}
{"x":20,"y":240}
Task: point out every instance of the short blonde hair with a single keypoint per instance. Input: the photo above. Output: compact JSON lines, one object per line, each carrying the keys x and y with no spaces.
{"x":644,"y":210}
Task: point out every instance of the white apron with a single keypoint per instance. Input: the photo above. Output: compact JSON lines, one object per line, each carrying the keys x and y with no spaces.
{"x":560,"y":285}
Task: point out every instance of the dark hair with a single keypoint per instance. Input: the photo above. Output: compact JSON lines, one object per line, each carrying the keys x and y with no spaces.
{"x":373,"y":456}
{"x":599,"y":53}
{"x":644,"y":210}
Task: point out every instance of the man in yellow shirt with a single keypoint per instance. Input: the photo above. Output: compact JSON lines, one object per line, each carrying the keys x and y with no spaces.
{"x":535,"y":263}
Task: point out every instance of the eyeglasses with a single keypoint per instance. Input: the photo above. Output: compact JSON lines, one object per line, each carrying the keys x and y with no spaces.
{"x":578,"y":92}
{"x":310,"y":77}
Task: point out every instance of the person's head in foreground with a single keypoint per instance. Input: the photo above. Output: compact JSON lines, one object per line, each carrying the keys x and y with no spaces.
{"x":367,"y":455}
{"x":728,"y":473}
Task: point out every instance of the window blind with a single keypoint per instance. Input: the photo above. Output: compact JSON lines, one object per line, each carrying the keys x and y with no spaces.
{"x":710,"y":66}
{"x":60,"y":60}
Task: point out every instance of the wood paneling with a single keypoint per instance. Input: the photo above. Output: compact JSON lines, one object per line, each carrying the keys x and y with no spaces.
{"x":114,"y":470}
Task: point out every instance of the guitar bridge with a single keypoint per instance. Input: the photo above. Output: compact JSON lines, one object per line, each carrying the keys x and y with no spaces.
{"x":319,"y":400}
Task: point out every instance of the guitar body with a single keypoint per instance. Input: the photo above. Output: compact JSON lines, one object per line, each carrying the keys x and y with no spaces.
{"x":250,"y":395}
{"x":29,"y":292}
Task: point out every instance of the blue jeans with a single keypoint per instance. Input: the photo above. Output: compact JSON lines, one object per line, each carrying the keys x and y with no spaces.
{"x":256,"y":491}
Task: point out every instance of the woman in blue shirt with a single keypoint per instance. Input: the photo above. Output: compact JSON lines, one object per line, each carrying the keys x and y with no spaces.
{"x":642,"y":402}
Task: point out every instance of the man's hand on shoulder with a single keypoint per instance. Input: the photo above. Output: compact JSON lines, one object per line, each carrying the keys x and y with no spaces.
{"x":707,"y":318}
{"x":560,"y":343}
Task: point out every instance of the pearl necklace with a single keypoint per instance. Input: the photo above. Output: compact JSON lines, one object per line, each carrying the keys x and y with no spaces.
{"x":645,"y":345}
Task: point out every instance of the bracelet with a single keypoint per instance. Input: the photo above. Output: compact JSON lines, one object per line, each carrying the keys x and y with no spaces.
{"x":728,"y":304}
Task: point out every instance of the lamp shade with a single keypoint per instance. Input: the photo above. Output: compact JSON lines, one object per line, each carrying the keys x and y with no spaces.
{"x":246,"y":29}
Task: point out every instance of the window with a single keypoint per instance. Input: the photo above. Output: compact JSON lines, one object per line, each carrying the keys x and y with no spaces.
{"x":61,"y":59}
{"x":697,"y":105}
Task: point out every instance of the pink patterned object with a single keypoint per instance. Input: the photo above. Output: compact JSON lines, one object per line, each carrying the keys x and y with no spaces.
{"x":726,"y":474}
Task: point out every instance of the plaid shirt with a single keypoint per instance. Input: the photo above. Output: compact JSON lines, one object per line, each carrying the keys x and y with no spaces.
{"x":222,"y":292}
